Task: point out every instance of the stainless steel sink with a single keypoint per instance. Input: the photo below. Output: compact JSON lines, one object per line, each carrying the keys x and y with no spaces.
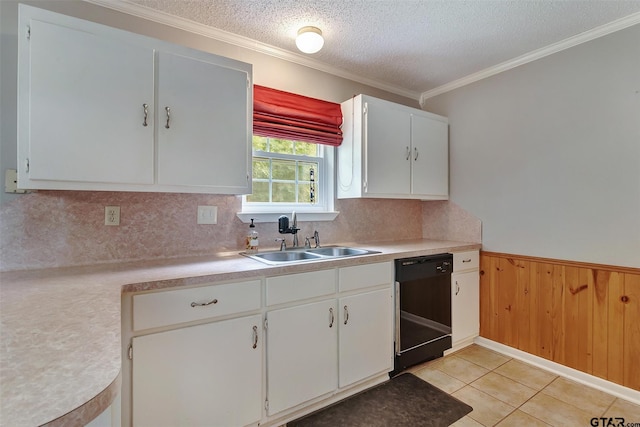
{"x":284,"y":256}
{"x":338,"y":251}
{"x":303,"y":255}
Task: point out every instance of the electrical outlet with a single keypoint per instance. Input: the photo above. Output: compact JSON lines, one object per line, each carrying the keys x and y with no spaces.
{"x":207,"y":214}
{"x":112,"y":215}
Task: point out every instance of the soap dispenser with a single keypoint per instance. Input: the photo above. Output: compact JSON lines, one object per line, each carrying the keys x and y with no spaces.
{"x":252,"y":239}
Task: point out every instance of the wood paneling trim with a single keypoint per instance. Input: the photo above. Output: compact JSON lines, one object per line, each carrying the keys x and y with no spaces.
{"x":580,"y":315}
{"x":606,"y":267}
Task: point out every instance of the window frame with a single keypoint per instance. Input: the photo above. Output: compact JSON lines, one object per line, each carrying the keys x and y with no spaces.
{"x":322,"y":210}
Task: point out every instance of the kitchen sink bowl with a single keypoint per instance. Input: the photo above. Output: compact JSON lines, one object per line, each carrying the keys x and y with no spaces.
{"x":304,"y":255}
{"x":284,"y":256}
{"x":338,"y":251}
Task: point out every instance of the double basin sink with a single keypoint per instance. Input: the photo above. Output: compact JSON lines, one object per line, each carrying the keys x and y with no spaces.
{"x":308,"y":254}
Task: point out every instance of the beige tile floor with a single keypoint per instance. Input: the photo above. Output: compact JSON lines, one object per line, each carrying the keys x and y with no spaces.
{"x":506,"y":392}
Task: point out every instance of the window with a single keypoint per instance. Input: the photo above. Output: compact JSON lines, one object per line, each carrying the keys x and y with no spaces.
{"x":290,"y":175}
{"x":293,"y":156}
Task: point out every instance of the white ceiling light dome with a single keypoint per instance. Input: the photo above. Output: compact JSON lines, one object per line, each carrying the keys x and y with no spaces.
{"x":309,"y":39}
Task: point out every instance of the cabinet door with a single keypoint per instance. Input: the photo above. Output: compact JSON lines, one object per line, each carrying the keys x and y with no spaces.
{"x":465,"y":310}
{"x":430,"y":157}
{"x":81,"y":116}
{"x":207,"y":141}
{"x":200,"y":375}
{"x":387,"y":149}
{"x":366,"y":335}
{"x":301,"y":354}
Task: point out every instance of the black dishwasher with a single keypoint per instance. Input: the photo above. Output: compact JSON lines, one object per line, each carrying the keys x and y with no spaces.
{"x":423,"y":309}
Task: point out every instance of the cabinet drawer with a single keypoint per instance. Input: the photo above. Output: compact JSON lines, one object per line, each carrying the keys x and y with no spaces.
{"x":171,"y":307}
{"x":294,"y":287}
{"x":466,"y":260}
{"x":365,"y":276}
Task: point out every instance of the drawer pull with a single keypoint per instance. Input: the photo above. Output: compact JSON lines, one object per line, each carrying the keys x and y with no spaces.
{"x":332,"y":317}
{"x":457,"y":288}
{"x":346,"y":314}
{"x":202,"y":304}
{"x":255,"y":336}
{"x":466,"y":260}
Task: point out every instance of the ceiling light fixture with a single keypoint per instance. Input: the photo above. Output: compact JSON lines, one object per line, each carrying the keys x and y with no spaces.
{"x":309,"y":39}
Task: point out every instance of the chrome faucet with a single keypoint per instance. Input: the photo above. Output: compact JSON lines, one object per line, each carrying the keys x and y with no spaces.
{"x":316,"y":239}
{"x":294,"y":229}
{"x":283,"y":228}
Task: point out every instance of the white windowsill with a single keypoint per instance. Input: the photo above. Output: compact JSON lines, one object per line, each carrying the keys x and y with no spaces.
{"x":245,"y":217}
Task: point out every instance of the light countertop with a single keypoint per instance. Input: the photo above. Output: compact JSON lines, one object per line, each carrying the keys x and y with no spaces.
{"x":60,"y":329}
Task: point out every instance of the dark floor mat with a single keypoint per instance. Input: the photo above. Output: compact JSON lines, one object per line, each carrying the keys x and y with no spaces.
{"x":405,"y":400}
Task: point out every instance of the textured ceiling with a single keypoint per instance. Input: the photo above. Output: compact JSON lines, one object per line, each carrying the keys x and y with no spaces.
{"x":416,"y":45}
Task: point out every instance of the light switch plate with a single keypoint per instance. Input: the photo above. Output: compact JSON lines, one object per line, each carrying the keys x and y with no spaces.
{"x":207,"y":214}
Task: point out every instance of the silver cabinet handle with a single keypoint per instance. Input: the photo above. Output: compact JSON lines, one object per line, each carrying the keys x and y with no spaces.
{"x":332,"y":317}
{"x":415,"y":149}
{"x":146,"y":114}
{"x":408,"y":153}
{"x":168,"y":110}
{"x":346,"y":314}
{"x":457,"y":288}
{"x":255,"y":336}
{"x":202,"y":304}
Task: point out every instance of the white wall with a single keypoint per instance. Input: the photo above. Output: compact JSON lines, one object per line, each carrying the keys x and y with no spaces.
{"x":547,"y":155}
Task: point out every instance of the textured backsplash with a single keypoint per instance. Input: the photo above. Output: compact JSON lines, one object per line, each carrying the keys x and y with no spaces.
{"x":66,"y":228}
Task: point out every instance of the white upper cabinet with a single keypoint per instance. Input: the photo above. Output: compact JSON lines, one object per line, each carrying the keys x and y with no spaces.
{"x":68,"y":134}
{"x":206,"y":119}
{"x":94,"y":104}
{"x":392,"y":151}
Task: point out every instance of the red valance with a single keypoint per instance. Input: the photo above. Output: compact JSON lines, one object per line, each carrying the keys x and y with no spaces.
{"x":286,"y":115}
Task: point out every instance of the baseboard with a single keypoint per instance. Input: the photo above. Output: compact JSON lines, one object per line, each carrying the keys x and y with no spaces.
{"x":460,"y":345}
{"x":614,"y":389}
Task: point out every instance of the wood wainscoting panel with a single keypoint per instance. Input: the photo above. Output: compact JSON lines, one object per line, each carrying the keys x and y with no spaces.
{"x":631,"y":301}
{"x":584,"y":316}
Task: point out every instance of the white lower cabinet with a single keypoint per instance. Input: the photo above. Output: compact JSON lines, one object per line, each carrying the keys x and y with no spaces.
{"x":256,"y":352}
{"x":465,"y":299}
{"x":204,"y":375}
{"x":301,"y":354}
{"x":365,"y":335}
{"x":321,"y":347}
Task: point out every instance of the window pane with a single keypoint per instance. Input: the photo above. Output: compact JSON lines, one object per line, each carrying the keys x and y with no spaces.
{"x":260,"y":192}
{"x":260,"y":143}
{"x":260,"y":168}
{"x":306,"y":149}
{"x":304,"y":168}
{"x":284,"y":170}
{"x":284,"y":192}
{"x":281,"y":146}
{"x":303,"y":193}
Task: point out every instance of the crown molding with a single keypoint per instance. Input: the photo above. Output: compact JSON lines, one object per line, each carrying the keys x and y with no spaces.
{"x":592,"y":34}
{"x":245,"y":42}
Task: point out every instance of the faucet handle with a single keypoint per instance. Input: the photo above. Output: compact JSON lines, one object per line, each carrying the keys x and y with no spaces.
{"x":283,"y":243}
{"x":316,"y":238}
